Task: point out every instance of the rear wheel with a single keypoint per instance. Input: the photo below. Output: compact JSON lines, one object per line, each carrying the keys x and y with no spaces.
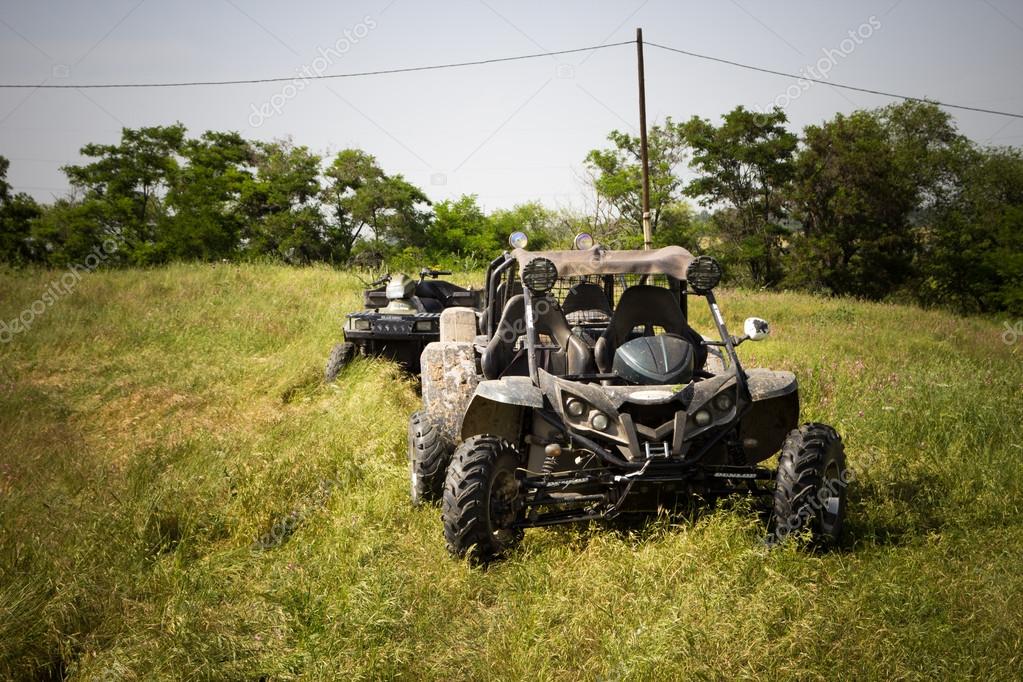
{"x":428,"y":456}
{"x":482,"y":499}
{"x":810,"y":485}
{"x":340,"y":355}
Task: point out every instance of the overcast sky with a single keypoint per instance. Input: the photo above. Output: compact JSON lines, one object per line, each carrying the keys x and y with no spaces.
{"x":509,"y":132}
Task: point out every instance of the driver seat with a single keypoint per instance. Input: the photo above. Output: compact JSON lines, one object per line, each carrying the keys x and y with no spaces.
{"x":646,"y":306}
{"x":499,"y":354}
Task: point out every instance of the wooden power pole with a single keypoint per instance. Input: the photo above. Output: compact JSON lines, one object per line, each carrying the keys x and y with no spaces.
{"x":647,"y":231}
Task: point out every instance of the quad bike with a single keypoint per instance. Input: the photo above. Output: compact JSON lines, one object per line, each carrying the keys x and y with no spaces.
{"x":400,"y":317}
{"x":588,"y":396}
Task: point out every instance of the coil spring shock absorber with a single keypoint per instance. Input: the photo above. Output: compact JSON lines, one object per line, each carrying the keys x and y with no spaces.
{"x":550,"y":461}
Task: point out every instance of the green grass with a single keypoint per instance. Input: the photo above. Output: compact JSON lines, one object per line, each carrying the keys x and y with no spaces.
{"x":181,"y":497}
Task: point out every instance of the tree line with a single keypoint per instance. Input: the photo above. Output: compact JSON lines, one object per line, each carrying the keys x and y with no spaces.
{"x":885,"y":203}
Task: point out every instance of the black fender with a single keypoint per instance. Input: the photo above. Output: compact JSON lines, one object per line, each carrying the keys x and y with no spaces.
{"x":498,"y":407}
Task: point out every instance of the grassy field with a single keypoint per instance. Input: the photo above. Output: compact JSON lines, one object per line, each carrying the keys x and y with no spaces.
{"x":182,"y":497}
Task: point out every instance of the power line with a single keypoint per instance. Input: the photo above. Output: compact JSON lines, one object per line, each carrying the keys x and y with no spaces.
{"x":497,"y":60}
{"x":359,"y":74}
{"x":834,"y":85}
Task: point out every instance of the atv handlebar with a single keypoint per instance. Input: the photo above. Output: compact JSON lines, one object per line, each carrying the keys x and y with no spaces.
{"x":430,"y":272}
{"x":383,"y":280}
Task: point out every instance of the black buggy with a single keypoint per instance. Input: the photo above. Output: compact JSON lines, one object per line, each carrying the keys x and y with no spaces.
{"x":400,"y":316}
{"x":588,"y":395}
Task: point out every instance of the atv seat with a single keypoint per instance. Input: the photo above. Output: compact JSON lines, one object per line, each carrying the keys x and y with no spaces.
{"x":645,"y":306}
{"x":572,"y":355}
{"x":586,"y":302}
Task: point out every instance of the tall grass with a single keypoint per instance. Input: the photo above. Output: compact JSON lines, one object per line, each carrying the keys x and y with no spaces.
{"x":183,"y":498}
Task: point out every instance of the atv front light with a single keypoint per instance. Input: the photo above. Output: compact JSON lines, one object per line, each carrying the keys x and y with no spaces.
{"x":362,"y":325}
{"x":424,"y":326}
{"x":583,"y":241}
{"x":518,"y":240}
{"x":600,"y":421}
{"x":703,"y":274}
{"x":702,"y":418}
{"x":539,"y":275}
{"x":723,"y":402}
{"x":574,"y":407}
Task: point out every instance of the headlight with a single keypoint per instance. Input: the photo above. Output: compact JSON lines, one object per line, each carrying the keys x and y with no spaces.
{"x":703,"y":274}
{"x":539,"y":275}
{"x":575,"y":408}
{"x":424,"y":326}
{"x":599,"y":421}
{"x":518,"y":240}
{"x":362,"y":325}
{"x":702,"y":418}
{"x":723,"y":402}
{"x":583,"y":241}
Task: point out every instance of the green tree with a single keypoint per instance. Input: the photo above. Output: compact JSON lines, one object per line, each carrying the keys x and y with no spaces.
{"x":616,"y":175}
{"x":279,"y":204}
{"x":125,"y":186}
{"x":972,"y":252}
{"x":544,"y":229}
{"x":17,"y":211}
{"x":745,"y":165}
{"x":460,"y":227}
{"x":204,"y":196}
{"x":363,"y":202}
{"x":865,"y":183}
{"x":70,"y":229}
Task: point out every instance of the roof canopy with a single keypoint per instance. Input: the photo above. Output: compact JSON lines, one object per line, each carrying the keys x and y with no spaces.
{"x":670,"y":260}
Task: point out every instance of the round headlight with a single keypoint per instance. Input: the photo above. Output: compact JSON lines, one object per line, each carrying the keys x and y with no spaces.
{"x":539,"y":275}
{"x":599,"y":422}
{"x":575,"y":408}
{"x":723,"y":402}
{"x":518,"y":240}
{"x":702,"y":418}
{"x":583,"y":241}
{"x":703,"y":274}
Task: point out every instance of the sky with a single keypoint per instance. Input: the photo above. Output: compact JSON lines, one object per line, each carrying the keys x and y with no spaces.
{"x":508,"y":132}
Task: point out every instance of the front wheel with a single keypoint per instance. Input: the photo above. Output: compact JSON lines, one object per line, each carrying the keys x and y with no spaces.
{"x":340,"y":355}
{"x":482,"y":499}
{"x":810,"y":485}
{"x":428,"y":455}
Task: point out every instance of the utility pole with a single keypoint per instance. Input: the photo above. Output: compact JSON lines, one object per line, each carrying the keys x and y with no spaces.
{"x":647,"y":232}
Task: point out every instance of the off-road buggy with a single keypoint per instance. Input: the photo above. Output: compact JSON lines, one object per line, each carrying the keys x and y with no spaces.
{"x":589,"y":395}
{"x":400,"y":316}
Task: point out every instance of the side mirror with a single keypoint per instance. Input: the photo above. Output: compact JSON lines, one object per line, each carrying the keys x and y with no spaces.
{"x":755,"y":328}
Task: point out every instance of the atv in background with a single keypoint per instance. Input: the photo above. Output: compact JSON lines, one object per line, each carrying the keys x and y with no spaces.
{"x":401,"y":316}
{"x":588,"y":395}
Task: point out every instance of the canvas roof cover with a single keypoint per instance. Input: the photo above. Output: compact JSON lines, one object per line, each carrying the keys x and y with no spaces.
{"x":669,"y":260}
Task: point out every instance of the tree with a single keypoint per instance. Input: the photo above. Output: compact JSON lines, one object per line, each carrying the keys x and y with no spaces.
{"x":127,"y":182}
{"x":204,"y":198}
{"x":616,"y":176}
{"x":362,"y":200}
{"x":540,"y":224}
{"x":865,"y":184}
{"x":972,"y":255}
{"x":460,"y":227}
{"x":280,"y":206}
{"x":745,"y":165}
{"x":17,"y":211}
